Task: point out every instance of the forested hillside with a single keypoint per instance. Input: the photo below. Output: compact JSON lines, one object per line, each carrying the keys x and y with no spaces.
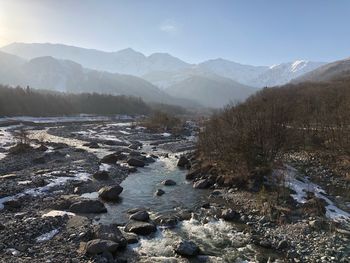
{"x":305,"y":116}
{"x":19,"y":101}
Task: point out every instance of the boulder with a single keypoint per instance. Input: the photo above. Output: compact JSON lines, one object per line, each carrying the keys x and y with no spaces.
{"x":88,"y":206}
{"x":42,"y":148}
{"x":230,"y":215}
{"x":110,"y":232}
{"x":159,"y":192}
{"x":186,"y":248}
{"x":183,"y":162}
{"x":169,"y":182}
{"x":97,"y":246}
{"x":110,"y":159}
{"x":202,"y":184}
{"x":140,"y":216}
{"x":140,"y":228}
{"x":101,"y":175}
{"x":135,"y":162}
{"x":110,"y":193}
{"x":167,"y":220}
{"x":12,"y":204}
{"x":131,"y":238}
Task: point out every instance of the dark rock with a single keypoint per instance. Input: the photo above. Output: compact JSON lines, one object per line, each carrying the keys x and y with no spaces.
{"x":206,"y":205}
{"x":101,"y":175}
{"x":110,"y":159}
{"x":12,"y":204}
{"x":88,"y":206}
{"x":42,"y":148}
{"x":110,"y":232}
{"x":167,"y":220}
{"x":159,"y":192}
{"x":149,"y":160}
{"x":132,"y":169}
{"x":202,"y":184}
{"x":131,"y":238}
{"x":140,"y":228}
{"x":20,"y":148}
{"x":230,"y":215}
{"x":183,"y":162}
{"x":110,"y":193}
{"x":186,"y":248}
{"x":169,"y":182}
{"x":135,"y":162}
{"x":283,"y":244}
{"x":98,"y":246}
{"x":140,"y":216}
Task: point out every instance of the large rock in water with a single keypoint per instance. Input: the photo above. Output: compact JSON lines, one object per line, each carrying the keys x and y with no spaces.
{"x":186,"y":248}
{"x":101,"y":175}
{"x":183,"y":162}
{"x":140,"y":216}
{"x":169,"y":182}
{"x":97,"y":246}
{"x":110,"y":232}
{"x":86,"y":206}
{"x":230,"y":215}
{"x":140,"y":228}
{"x":135,"y":162}
{"x":110,"y":193}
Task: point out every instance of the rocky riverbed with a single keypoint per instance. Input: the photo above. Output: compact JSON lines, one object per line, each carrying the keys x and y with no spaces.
{"x":110,"y":191}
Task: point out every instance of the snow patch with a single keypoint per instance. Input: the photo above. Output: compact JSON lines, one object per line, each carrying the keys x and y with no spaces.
{"x":47,"y":236}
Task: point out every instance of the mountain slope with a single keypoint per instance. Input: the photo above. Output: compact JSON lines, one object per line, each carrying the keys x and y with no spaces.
{"x":67,"y":76}
{"x":126,"y":61}
{"x":340,"y":68}
{"x":283,"y":73}
{"x":211,"y":92}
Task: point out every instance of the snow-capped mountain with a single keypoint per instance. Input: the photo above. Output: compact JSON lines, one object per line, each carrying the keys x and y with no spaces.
{"x":163,"y":69}
{"x":283,"y":73}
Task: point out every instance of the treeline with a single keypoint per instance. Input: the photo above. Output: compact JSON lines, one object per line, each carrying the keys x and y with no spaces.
{"x":249,"y":135}
{"x":19,"y":101}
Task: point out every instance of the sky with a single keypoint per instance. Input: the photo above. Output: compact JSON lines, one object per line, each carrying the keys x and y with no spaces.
{"x":256,"y":32}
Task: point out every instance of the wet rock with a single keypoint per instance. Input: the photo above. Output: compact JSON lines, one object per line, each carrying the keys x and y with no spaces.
{"x":186,"y":248}
{"x":101,"y":175}
{"x":140,"y":216}
{"x":140,"y":228}
{"x":98,"y":246}
{"x":202,"y":184}
{"x":132,"y":169}
{"x":167,"y":220}
{"x":230,"y":215}
{"x":149,"y":160}
{"x":159,"y":192}
{"x":135,"y":162}
{"x":109,"y":232}
{"x":169,"y":182}
{"x":110,"y":193}
{"x":131,"y":238}
{"x":183,"y":162}
{"x":88,"y":206}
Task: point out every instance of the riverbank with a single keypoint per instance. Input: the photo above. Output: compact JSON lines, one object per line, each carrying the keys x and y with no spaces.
{"x":53,"y":209}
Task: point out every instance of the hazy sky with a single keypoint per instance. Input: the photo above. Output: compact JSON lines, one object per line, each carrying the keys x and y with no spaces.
{"x":260,"y":32}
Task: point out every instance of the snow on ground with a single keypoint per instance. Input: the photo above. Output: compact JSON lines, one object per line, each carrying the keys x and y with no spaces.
{"x":301,"y":186}
{"x":47,"y":236}
{"x":58,"y":181}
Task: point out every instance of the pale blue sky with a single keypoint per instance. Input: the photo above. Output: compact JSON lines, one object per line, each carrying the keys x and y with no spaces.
{"x":258,"y":32}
